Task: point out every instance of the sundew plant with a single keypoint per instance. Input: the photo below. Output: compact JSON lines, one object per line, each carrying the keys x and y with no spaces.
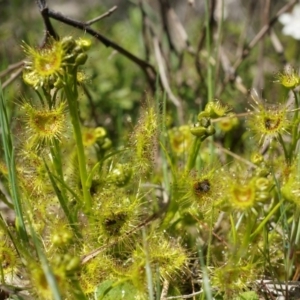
{"x":161,"y":167}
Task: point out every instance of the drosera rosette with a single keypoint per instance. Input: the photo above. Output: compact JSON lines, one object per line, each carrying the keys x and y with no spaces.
{"x":202,"y":187}
{"x":43,"y":124}
{"x":10,"y":262}
{"x":289,"y":78}
{"x":164,"y":255}
{"x":228,"y":123}
{"x":63,"y":270}
{"x":180,"y":139}
{"x":206,"y":187}
{"x":45,"y":67}
{"x":290,"y":188}
{"x":115,"y":213}
{"x":143,"y":141}
{"x":244,"y":191}
{"x":95,"y":136}
{"x":232,"y":278}
{"x":267,"y":121}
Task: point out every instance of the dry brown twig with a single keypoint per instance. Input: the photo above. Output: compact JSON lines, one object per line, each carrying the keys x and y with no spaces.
{"x":185,"y":296}
{"x":232,"y":77}
{"x":164,"y":79}
{"x":165,"y":290}
{"x":106,"y":14}
{"x":161,"y":62}
{"x":147,"y":68}
{"x":258,"y":81}
{"x":15,"y":70}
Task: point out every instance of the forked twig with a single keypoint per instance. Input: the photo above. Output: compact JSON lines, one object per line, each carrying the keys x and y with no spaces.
{"x":12,"y":77}
{"x":165,"y":204}
{"x":147,"y":68}
{"x":11,"y":68}
{"x":108,"y":13}
{"x":237,"y":157}
{"x":165,"y":290}
{"x":185,"y":296}
{"x":15,"y":70}
{"x":247,"y":49}
{"x":164,"y":79}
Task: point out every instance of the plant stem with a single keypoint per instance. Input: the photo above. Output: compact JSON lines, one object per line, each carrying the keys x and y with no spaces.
{"x":208,"y":49}
{"x":11,"y":167}
{"x":193,"y":155}
{"x":211,"y":228}
{"x":71,"y":96}
{"x":295,"y":135}
{"x":148,"y":267}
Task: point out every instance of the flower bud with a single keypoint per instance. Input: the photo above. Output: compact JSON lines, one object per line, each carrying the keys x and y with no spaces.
{"x":257,"y":158}
{"x":106,"y":144}
{"x":198,"y":130}
{"x":121,"y":175}
{"x":262,"y":184}
{"x":263,"y":196}
{"x":84,"y":43}
{"x":203,"y":114}
{"x":204,"y":121}
{"x":73,"y":264}
{"x":81,"y":59}
{"x":215,"y":109}
{"x":68,"y":43}
{"x":210,"y":130}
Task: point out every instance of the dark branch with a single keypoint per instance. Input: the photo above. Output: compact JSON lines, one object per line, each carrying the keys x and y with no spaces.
{"x":50,"y":32}
{"x":145,"y":66}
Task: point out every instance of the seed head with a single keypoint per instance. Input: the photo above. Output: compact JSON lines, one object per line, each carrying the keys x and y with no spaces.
{"x":46,"y":67}
{"x":44,"y":124}
{"x":180,"y":139}
{"x":289,"y":78}
{"x":43,"y":66}
{"x":267,"y":121}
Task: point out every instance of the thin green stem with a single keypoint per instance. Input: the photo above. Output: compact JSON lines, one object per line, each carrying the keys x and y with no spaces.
{"x":208,"y":49}
{"x":12,"y":173}
{"x":56,"y":156}
{"x":205,"y":282}
{"x":163,"y":137}
{"x":210,"y":237}
{"x":49,"y":275}
{"x":297,"y":221}
{"x":148,"y":267}
{"x":193,"y":155}
{"x":286,"y":154}
{"x":266,"y":219}
{"x":218,"y":42}
{"x":71,"y":96}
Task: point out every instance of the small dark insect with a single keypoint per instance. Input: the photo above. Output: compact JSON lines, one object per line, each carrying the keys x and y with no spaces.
{"x":271,"y":124}
{"x":110,"y":222}
{"x":201,"y":187}
{"x":114,"y":223}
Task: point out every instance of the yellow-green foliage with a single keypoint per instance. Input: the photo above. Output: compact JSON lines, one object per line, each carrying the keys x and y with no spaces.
{"x":180,"y":196}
